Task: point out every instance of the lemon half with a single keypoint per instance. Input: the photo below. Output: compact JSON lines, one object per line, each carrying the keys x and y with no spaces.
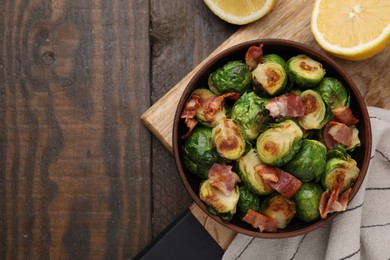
{"x":240,"y":11}
{"x":351,"y":29}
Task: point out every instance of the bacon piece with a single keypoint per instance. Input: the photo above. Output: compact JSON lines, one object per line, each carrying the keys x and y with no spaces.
{"x":344,"y":115}
{"x":253,"y":56}
{"x":191,"y":107}
{"x":190,"y":123}
{"x":281,"y":181}
{"x":289,"y":104}
{"x":337,"y":133}
{"x":223,"y":178}
{"x":341,"y":133}
{"x":189,"y":113}
{"x":257,"y":220}
{"x":334,"y":202}
{"x":214,"y":104}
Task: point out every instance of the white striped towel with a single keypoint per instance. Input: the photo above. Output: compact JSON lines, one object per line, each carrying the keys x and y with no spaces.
{"x":361,"y":232}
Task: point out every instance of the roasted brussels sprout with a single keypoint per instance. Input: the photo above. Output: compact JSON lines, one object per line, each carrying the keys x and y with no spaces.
{"x":270,"y":76}
{"x":210,"y":121}
{"x":199,"y":153}
{"x":228,"y":139}
{"x":279,"y":143}
{"x":307,"y":200}
{"x":317,"y":113}
{"x":217,"y":200}
{"x":338,"y":152}
{"x":246,"y":170}
{"x":355,"y":139}
{"x":333,"y":92}
{"x":336,"y":167}
{"x":280,"y":209}
{"x":310,"y":161}
{"x":305,"y":71}
{"x":248,"y":200}
{"x":234,"y":76}
{"x":250,"y":114}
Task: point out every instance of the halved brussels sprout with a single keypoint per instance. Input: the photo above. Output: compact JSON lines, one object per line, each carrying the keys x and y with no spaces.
{"x":317,"y":113}
{"x":198,"y":152}
{"x":355,"y":139}
{"x":305,"y":71}
{"x":273,"y":58}
{"x":234,"y":76}
{"x":228,"y":139}
{"x":250,"y":114}
{"x":333,"y":92}
{"x":248,"y":200}
{"x":310,"y":161}
{"x":270,"y":76}
{"x":279,"y":143}
{"x":335,"y":167}
{"x":338,"y":152}
{"x":217,"y":200}
{"x":280,"y":209}
{"x":246,"y":170}
{"x":307,"y":200}
{"x":204,"y":95}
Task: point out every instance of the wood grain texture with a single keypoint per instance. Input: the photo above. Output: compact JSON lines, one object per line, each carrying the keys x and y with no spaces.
{"x":75,"y":178}
{"x":195,"y":38}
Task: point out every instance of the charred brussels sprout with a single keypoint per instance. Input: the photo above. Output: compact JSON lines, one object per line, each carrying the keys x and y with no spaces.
{"x":246,"y":170}
{"x":338,"y":152}
{"x":232,"y":77}
{"x":209,"y":121}
{"x":309,"y":163}
{"x":279,"y":143}
{"x":317,"y":112}
{"x":333,"y":92}
{"x":199,"y":153}
{"x":248,"y":200}
{"x":250,"y":114}
{"x":228,"y":139}
{"x":280,"y":209}
{"x":305,"y":71}
{"x":225,"y":206}
{"x":307,"y":200}
{"x":336,"y":167}
{"x":270,"y":76}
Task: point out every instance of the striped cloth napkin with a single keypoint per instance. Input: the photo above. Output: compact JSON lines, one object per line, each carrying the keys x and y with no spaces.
{"x":361,"y":232}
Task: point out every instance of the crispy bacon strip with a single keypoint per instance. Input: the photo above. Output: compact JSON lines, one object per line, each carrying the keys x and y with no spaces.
{"x":257,"y":220}
{"x":223,"y":178}
{"x":253,"y":56}
{"x":341,"y":133}
{"x":190,"y":123}
{"x":189,"y":114}
{"x":337,"y":133}
{"x":344,"y":115}
{"x":334,"y":201}
{"x":214,"y":104}
{"x":191,"y":106}
{"x":289,"y":104}
{"x":281,"y":181}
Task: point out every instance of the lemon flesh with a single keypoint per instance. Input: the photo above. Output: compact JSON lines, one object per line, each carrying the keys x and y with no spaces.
{"x":352,"y":29}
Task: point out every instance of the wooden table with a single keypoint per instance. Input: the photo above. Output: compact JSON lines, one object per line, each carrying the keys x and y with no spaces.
{"x":81,"y":177}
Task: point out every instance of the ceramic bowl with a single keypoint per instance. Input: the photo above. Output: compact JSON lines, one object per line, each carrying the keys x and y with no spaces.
{"x":286,"y":49}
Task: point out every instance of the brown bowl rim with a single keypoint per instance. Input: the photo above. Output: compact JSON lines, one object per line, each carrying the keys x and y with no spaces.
{"x":287,"y":43}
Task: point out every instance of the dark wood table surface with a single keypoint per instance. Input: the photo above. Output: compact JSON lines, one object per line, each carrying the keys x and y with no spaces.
{"x":80,"y":176}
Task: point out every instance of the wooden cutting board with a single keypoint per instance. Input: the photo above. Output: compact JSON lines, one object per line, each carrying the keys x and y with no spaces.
{"x":288,"y":20}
